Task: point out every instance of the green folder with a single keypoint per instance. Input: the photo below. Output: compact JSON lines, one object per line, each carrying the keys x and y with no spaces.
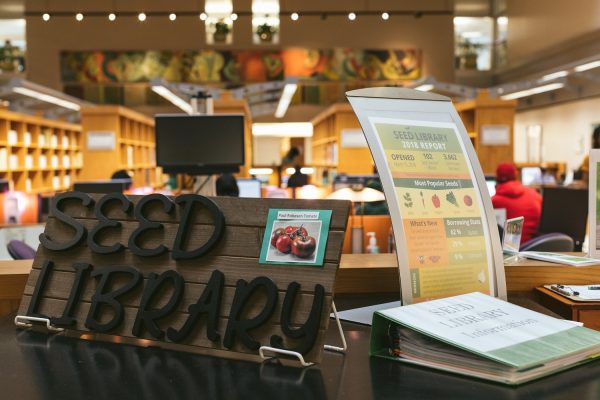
{"x":483,"y":337}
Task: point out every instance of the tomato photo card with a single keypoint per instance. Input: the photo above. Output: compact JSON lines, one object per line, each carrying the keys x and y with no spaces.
{"x":295,"y":237}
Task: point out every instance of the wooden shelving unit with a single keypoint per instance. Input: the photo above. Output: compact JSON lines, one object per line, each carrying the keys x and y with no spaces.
{"x":39,"y":155}
{"x":327,"y":151}
{"x":134,"y":145}
{"x":483,"y":111}
{"x":328,"y":154}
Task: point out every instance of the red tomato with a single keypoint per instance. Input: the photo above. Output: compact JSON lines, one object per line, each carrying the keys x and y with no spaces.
{"x":284,"y":244}
{"x":275,"y":235}
{"x":304,"y":246}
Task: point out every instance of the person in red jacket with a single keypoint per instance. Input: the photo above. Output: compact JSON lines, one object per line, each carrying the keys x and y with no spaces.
{"x":518,"y":200}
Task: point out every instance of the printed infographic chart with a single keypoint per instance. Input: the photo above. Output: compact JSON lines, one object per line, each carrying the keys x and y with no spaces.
{"x":441,"y":210}
{"x":594,"y":203}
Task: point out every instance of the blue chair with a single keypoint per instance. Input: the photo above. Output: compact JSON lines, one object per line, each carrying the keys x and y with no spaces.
{"x":20,"y":250}
{"x":550,"y":242}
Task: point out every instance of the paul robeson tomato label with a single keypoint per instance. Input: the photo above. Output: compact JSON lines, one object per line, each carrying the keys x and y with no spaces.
{"x":295,"y":237}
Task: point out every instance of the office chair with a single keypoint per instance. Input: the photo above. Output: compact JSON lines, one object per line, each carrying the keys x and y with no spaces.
{"x":20,"y":250}
{"x":549,"y":242}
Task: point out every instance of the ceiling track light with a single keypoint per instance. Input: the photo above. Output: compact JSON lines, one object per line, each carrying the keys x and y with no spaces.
{"x":232,"y":15}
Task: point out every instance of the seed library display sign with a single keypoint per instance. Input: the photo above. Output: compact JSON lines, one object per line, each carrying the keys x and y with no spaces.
{"x":441,"y":212}
{"x":185,"y":272}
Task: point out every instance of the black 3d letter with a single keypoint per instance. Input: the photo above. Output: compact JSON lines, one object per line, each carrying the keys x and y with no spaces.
{"x":55,"y":210}
{"x":107,"y":223}
{"x":310,"y":329}
{"x":209,"y":303}
{"x":109,"y":299}
{"x":240,"y":328}
{"x":40,"y":285}
{"x":146,"y":317}
{"x":189,"y":201}
{"x":145,"y":225}
{"x":67,"y":319}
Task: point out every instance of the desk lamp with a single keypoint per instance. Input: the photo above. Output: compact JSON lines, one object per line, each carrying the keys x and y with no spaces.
{"x":357,"y":194}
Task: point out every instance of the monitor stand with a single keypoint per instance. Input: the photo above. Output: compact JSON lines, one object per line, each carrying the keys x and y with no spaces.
{"x":205,"y":185}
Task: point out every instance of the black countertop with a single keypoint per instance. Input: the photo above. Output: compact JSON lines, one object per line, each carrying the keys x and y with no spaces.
{"x":38,"y":366}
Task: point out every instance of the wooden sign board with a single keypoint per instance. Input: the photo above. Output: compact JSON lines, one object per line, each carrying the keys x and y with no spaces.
{"x":181,"y":273}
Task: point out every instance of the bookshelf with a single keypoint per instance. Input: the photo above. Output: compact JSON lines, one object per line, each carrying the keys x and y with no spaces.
{"x":39,"y":155}
{"x":119,"y":138}
{"x":328,"y":152}
{"x":485,"y":111}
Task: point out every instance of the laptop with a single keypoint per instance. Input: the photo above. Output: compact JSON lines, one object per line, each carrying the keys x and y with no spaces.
{"x":511,"y":241}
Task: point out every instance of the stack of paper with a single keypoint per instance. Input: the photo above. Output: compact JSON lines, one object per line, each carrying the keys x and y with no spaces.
{"x":559,"y":258}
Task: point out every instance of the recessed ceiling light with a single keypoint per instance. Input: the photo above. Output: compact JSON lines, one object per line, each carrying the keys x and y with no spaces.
{"x":46,"y":17}
{"x":352,"y":16}
{"x":234,"y":16}
{"x":535,"y":90}
{"x":112,"y":17}
{"x":294,"y":16}
{"x":203,"y":16}
{"x":587,"y":66}
{"x":142,"y":17}
{"x":172,"y":16}
{"x":79,"y":17}
{"x":385,"y":16}
{"x":425,"y":87}
{"x":555,"y":75}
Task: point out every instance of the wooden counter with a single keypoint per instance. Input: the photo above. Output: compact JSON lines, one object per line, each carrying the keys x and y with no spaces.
{"x":358,"y":274}
{"x":13,"y":276}
{"x":370,"y":273}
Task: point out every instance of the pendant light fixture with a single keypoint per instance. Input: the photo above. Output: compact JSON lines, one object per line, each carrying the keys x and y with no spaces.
{"x":265,"y":21}
{"x":218,"y":23}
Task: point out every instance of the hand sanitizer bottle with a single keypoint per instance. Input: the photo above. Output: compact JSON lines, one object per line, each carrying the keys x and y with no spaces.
{"x":372,"y":247}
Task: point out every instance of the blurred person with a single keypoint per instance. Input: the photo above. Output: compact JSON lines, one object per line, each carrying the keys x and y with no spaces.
{"x":123,"y":174}
{"x":297,"y":179}
{"x":227,"y":186}
{"x":581,"y":176}
{"x":518,"y":200}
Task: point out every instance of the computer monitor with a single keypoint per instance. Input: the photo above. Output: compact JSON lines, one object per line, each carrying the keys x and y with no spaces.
{"x":342,"y":181}
{"x":249,"y":188}
{"x":199,"y":144}
{"x":105,"y":186}
{"x":531,"y":176}
{"x":565,"y":210}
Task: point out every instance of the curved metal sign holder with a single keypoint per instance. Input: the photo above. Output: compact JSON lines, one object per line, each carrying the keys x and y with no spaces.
{"x":442,"y":216}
